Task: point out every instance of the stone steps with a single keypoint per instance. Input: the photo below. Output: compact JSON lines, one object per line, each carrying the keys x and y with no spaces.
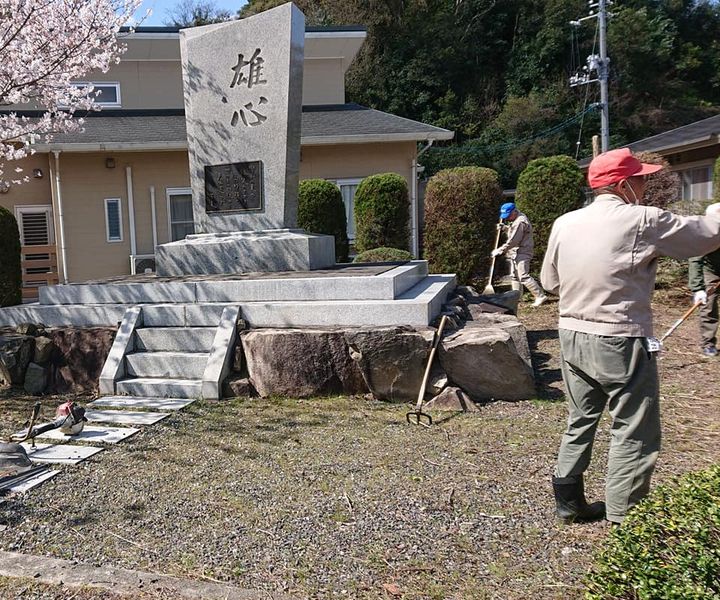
{"x":174,"y":339}
{"x":160,"y":387}
{"x":188,"y":365}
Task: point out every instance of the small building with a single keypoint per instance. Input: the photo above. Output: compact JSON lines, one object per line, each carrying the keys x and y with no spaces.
{"x":691,"y":151}
{"x":99,"y":202}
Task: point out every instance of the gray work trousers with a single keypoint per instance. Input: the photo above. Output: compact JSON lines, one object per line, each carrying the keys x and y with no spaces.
{"x":521,"y":265}
{"x":709,"y":313}
{"x":617,"y":371}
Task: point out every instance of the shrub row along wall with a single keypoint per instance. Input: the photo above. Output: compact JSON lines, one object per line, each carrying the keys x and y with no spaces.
{"x":10,"y":273}
{"x":382,"y":213}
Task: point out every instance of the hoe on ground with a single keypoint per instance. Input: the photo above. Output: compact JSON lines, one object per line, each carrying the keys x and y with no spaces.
{"x":15,"y":466}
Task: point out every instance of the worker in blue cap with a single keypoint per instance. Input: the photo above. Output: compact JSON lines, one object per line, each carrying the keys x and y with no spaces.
{"x":519,"y":249}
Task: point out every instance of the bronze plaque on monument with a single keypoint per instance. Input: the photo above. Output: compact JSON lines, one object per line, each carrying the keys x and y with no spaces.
{"x":234,"y":187}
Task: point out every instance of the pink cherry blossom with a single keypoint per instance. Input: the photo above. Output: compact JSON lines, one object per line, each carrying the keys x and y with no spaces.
{"x":45,"y":46}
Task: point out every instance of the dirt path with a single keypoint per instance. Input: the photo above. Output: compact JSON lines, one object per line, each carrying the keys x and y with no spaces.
{"x":339,"y":498}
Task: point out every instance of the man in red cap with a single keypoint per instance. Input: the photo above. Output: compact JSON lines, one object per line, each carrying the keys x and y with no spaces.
{"x":601,"y":260}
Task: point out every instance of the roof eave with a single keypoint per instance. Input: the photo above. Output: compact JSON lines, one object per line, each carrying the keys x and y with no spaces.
{"x":110,"y":147}
{"x":371,"y":138}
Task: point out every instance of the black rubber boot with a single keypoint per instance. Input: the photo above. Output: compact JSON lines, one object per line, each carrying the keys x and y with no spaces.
{"x":571,"y":506}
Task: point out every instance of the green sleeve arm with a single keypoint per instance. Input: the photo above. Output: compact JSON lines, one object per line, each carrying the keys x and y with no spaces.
{"x":696,"y":279}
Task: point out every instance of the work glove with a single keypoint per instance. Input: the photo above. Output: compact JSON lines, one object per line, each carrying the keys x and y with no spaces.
{"x":700,"y":296}
{"x":496,"y":252}
{"x":500,"y":226}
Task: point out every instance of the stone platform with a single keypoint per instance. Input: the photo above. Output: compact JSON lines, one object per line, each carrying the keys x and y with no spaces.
{"x":246,"y":251}
{"x":347,"y":296}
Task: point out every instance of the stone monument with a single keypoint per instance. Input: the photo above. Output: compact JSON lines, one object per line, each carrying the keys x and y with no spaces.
{"x":243,"y":108}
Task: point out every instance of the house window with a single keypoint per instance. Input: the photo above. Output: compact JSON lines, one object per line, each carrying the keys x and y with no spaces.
{"x":348,"y":187}
{"x":180,"y":213}
{"x":697,"y":183}
{"x":113,"y":220}
{"x":106,"y":93}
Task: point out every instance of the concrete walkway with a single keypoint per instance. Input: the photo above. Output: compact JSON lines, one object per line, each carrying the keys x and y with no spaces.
{"x":72,"y":574}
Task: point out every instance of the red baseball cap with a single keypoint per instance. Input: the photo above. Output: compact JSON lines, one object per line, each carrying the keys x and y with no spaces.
{"x":615,"y":165}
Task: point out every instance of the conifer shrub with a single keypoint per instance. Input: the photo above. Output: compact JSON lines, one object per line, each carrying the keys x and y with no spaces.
{"x":716,"y":180}
{"x":10,"y":273}
{"x":667,"y":547}
{"x":382,"y":213}
{"x":383,"y":255}
{"x":461,"y":212}
{"x":321,"y":210}
{"x":662,"y":188}
{"x":546,"y":189}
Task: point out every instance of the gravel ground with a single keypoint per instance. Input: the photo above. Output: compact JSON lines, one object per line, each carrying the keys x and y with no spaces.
{"x":339,"y":497}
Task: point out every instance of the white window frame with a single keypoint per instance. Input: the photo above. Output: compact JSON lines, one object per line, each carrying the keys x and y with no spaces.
{"x":98,"y":100}
{"x":107,"y":221}
{"x":686,"y":168}
{"x":36,"y":208}
{"x":179,"y":191}
{"x":348,"y":181}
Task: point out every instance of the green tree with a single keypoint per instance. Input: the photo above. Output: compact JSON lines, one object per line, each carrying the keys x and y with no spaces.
{"x":321,"y":210}
{"x":461,"y":207}
{"x":10,"y":273}
{"x":546,"y":189}
{"x":382,"y":213}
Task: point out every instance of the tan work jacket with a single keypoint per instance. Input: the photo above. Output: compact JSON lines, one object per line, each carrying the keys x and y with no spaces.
{"x":601,"y":260}
{"x":520,"y":239}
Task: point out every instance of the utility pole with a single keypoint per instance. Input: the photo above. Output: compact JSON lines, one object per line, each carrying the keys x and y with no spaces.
{"x":597,"y":69}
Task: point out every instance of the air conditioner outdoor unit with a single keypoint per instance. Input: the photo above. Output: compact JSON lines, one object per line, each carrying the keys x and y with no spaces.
{"x":142,"y":263}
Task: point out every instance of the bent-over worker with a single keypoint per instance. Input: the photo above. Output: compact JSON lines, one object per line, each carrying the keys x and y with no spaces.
{"x":601,"y":260}
{"x":519,"y":249}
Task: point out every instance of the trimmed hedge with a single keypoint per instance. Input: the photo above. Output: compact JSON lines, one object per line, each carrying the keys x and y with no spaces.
{"x":382,"y":213}
{"x":321,"y":210}
{"x":10,"y":273}
{"x":662,"y":188}
{"x":546,"y":189}
{"x":461,"y":211}
{"x":668,"y":546}
{"x":716,"y":180}
{"x":383,"y":255}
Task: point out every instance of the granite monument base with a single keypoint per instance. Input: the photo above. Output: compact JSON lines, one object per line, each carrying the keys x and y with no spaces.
{"x":245,"y":252}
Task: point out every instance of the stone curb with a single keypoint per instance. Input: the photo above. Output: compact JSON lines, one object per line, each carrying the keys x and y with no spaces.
{"x":56,"y":571}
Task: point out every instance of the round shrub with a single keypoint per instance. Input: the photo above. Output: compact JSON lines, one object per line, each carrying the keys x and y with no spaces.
{"x":383,"y":255}
{"x":667,"y":547}
{"x":663,"y":187}
{"x":546,"y":189}
{"x":461,"y":211}
{"x":321,"y":210}
{"x":10,"y":274}
{"x":382,"y":213}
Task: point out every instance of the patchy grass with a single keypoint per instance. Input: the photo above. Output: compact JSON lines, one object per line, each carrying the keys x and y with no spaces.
{"x":339,"y":497}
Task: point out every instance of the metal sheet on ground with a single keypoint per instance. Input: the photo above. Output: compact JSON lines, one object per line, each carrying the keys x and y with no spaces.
{"x":62,"y":454}
{"x":125,"y":417}
{"x":32,"y":482}
{"x":92,"y":434}
{"x":122,"y":402}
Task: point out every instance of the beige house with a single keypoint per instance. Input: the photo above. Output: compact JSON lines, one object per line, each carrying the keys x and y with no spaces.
{"x":98,"y":203}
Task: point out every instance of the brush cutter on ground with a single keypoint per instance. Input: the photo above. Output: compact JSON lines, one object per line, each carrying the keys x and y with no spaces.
{"x":489,"y":289}
{"x":15,"y":466}
{"x":711,"y":290}
{"x":417,"y":416}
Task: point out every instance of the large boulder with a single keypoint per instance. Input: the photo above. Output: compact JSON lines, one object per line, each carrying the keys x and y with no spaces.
{"x":16,"y":352}
{"x":486,"y":364}
{"x":36,"y":379}
{"x":491,"y":302}
{"x":78,"y":357}
{"x":509,"y":323}
{"x":300,"y":362}
{"x":391,"y":359}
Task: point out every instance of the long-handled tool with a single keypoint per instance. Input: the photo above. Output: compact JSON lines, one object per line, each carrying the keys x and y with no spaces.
{"x":489,"y":289}
{"x":711,"y":290}
{"x":415,"y":417}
